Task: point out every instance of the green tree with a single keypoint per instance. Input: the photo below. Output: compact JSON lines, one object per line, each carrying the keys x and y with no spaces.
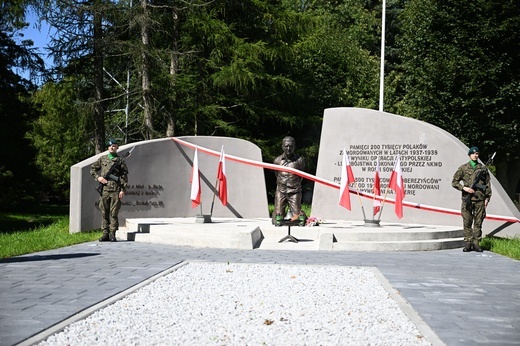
{"x":461,"y":72}
{"x":59,"y":133}
{"x":79,"y":45}
{"x":336,"y":62}
{"x":18,"y":178}
{"x":235,"y":83}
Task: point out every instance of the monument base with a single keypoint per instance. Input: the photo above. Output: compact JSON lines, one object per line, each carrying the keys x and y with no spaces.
{"x":332,"y":235}
{"x":372,"y":223}
{"x":203,"y":218}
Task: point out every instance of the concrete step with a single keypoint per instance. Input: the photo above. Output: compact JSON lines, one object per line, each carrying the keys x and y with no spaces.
{"x":220,"y":233}
{"x":263,"y":235}
{"x":388,"y":246}
{"x":394,"y":234}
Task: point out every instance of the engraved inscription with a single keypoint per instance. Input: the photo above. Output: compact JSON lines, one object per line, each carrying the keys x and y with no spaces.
{"x":363,"y":160}
{"x":143,"y":195}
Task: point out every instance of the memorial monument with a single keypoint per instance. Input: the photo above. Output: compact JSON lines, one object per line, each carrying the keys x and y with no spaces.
{"x":428,"y":155}
{"x":159,"y":182}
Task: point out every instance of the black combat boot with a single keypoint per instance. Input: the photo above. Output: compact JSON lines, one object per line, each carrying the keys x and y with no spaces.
{"x":477,"y":247}
{"x":467,"y":248}
{"x":112,"y":236}
{"x":104,"y":237}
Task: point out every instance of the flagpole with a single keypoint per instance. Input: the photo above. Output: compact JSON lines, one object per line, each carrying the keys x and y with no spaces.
{"x":373,"y":201}
{"x":387,"y":187}
{"x":373,"y":189}
{"x":221,"y":169}
{"x":214,"y":194}
{"x":360,"y":203}
{"x":382,"y":69}
{"x":382,"y":205}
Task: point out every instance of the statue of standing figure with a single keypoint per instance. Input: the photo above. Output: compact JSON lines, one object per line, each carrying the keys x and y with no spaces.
{"x":288,"y":185}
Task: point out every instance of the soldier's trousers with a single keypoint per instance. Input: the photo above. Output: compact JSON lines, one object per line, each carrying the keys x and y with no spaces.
{"x":109,"y":205}
{"x":473,"y":214}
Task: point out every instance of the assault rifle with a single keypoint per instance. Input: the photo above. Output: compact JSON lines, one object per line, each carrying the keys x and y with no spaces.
{"x":476,"y":185}
{"x":110,"y":174}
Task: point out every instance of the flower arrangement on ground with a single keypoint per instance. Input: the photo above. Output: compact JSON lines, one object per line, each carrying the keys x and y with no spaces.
{"x":313,"y":221}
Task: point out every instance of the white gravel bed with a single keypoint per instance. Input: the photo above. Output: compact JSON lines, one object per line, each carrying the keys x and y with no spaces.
{"x":250,"y":304}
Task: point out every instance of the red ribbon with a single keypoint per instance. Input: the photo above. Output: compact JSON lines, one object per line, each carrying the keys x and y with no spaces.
{"x":336,"y":185}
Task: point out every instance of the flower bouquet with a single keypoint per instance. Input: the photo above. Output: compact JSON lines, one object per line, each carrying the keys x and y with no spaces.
{"x":313,"y":221}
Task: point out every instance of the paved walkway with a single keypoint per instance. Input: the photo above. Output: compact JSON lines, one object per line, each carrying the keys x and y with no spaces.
{"x":464,"y":298}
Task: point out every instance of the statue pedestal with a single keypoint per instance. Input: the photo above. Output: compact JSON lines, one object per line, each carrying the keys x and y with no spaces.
{"x":289,"y":237}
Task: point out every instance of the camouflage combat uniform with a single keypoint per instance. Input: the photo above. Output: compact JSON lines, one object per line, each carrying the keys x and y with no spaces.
{"x":473,"y":209}
{"x":109,"y":203}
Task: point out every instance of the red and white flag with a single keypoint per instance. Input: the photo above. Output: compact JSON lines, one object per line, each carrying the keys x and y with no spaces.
{"x":195,"y":181}
{"x":347,"y":178}
{"x":397,"y":184}
{"x":377,"y":189}
{"x":222,"y":179}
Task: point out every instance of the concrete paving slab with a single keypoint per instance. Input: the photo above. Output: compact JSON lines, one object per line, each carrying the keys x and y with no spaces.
{"x":464,"y":298}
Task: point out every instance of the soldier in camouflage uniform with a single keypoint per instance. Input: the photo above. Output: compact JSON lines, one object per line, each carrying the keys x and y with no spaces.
{"x":288,"y":185}
{"x":113,"y":189}
{"x":474,"y":200}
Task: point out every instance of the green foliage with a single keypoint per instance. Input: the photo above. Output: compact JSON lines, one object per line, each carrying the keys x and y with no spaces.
{"x":509,"y":247}
{"x":334,"y":63}
{"x":59,"y":134}
{"x":239,"y":49}
{"x":460,"y":66}
{"x":18,"y":177}
{"x":306,"y":208}
{"x":260,"y":70}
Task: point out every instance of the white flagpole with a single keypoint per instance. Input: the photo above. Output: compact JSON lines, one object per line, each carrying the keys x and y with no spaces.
{"x":382,"y":69}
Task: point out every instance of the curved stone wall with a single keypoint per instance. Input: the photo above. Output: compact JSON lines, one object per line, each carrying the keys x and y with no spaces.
{"x":159,"y":182}
{"x":429,"y":158}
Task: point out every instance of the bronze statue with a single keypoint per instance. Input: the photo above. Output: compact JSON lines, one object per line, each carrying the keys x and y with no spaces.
{"x":288,"y":185}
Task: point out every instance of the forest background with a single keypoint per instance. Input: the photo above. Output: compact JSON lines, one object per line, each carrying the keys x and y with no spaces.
{"x":252,"y":69}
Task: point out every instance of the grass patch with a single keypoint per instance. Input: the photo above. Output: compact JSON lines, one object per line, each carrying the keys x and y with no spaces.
{"x":53,"y":236}
{"x":40,"y":229}
{"x":509,"y":247}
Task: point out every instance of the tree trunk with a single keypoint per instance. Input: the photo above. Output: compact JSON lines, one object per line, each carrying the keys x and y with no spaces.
{"x":174,"y":63}
{"x":145,"y":73}
{"x":99,"y":109}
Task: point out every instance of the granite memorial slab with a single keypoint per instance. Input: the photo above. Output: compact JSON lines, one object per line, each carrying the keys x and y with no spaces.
{"x":159,"y":182}
{"x":429,"y":158}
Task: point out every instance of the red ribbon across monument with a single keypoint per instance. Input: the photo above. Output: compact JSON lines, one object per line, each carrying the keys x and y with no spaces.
{"x":326,"y":182}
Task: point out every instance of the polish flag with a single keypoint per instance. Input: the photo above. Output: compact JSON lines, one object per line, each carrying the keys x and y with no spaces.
{"x":347,"y":178}
{"x":222,"y":179}
{"x":397,"y":184}
{"x":195,"y":181}
{"x":377,"y":189}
